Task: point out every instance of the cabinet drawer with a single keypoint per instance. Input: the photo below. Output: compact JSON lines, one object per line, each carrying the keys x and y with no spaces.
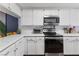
{"x":70,"y":38}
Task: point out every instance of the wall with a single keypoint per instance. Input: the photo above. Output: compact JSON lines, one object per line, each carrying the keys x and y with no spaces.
{"x":29,"y":29}
{"x":2,"y":17}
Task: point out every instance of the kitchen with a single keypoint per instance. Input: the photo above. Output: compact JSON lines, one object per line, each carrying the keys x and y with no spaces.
{"x":39,"y":29}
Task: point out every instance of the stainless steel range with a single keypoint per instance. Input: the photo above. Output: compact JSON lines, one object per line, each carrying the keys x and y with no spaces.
{"x":53,"y":41}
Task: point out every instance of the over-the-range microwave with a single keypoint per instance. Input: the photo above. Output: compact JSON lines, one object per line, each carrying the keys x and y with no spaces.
{"x":51,"y":19}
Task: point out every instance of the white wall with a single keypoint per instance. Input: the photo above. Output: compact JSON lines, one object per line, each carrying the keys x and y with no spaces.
{"x":2,"y":17}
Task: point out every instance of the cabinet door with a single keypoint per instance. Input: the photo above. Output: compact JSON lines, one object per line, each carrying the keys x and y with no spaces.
{"x":26,"y":46}
{"x":15,"y":9}
{"x":27,"y":17}
{"x":31,"y":46}
{"x":74,"y":17}
{"x":51,"y":12}
{"x":77,"y":45}
{"x":5,"y":5}
{"x":20,"y":47}
{"x":69,"y":45}
{"x":37,"y":16}
{"x":9,"y":51}
{"x":64,"y":15}
{"x":40,"y":45}
{"x":23,"y":45}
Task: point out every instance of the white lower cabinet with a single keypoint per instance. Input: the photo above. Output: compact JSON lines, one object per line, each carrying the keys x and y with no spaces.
{"x":20,"y":47}
{"x":31,"y":46}
{"x":25,"y":46}
{"x":71,"y":45}
{"x":9,"y":51}
{"x":40,"y":45}
{"x":35,"y":46}
{"x":16,"y":49}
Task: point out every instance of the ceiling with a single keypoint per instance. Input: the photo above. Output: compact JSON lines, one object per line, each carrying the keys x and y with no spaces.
{"x":49,"y":5}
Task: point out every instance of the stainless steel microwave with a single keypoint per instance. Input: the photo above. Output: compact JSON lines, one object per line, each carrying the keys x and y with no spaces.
{"x":51,"y":19}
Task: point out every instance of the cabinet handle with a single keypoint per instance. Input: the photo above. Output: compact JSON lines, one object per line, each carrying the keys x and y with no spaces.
{"x":16,"y":48}
{"x":30,"y":40}
{"x":39,"y":39}
{"x":19,"y":42}
{"x":34,"y":40}
{"x":77,"y":40}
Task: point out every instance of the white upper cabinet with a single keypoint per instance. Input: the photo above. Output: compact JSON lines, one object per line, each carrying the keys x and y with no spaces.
{"x":74,"y":17}
{"x":64,"y":15}
{"x":12,"y":7}
{"x":15,"y":8}
{"x":69,"y":17}
{"x":51,"y":12}
{"x":27,"y":18}
{"x":32,"y":17}
{"x":5,"y":5}
{"x":37,"y":16}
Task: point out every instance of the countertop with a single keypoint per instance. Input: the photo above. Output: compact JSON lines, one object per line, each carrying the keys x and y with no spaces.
{"x":9,"y":40}
{"x":71,"y":35}
{"x":5,"y":42}
{"x":32,"y":34}
{"x":67,"y":34}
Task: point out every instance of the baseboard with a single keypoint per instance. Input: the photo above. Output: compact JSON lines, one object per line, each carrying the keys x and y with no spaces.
{"x":33,"y":55}
{"x":70,"y":55}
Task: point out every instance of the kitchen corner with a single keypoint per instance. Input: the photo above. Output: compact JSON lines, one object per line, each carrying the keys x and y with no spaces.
{"x":39,"y":29}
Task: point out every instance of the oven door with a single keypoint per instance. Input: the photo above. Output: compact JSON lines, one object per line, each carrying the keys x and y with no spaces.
{"x":53,"y":46}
